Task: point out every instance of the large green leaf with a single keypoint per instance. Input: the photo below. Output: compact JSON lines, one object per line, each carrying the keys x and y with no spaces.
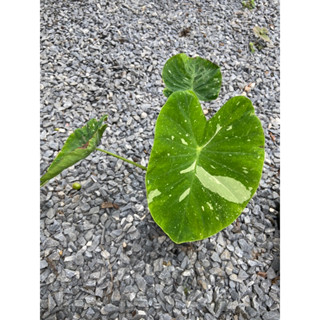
{"x":197,"y":74}
{"x":202,"y":174}
{"x":78,"y":146}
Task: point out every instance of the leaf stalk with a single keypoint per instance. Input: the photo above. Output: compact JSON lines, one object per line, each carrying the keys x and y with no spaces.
{"x":124,"y":159}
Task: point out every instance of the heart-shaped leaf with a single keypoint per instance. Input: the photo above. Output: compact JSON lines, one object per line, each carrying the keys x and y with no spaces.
{"x":197,"y":74}
{"x":78,"y":146}
{"x":202,"y":174}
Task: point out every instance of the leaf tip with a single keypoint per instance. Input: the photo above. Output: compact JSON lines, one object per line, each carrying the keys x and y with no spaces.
{"x":42,"y":182}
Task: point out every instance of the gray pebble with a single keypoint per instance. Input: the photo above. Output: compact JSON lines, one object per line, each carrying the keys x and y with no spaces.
{"x":51,"y":303}
{"x":141,"y":283}
{"x":50,"y":243}
{"x":225,"y":255}
{"x":239,"y":252}
{"x":85,"y":207}
{"x":215,"y":257}
{"x":109,"y":309}
{"x":99,"y":292}
{"x":220,"y":307}
{"x":141,"y":302}
{"x":43,"y":264}
{"x":242,"y":275}
{"x":158,"y":265}
{"x":70,"y":273}
{"x":244,"y":245}
{"x":79,"y":260}
{"x":271,"y":315}
{"x":79,"y":303}
{"x":94,"y":210}
{"x":140,"y":314}
{"x":90,"y":299}
{"x":58,"y":296}
{"x":50,"y":213}
{"x":271,"y":273}
{"x":115,"y":297}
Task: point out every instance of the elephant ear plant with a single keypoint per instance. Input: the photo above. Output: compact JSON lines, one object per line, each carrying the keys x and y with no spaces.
{"x":201,"y":173}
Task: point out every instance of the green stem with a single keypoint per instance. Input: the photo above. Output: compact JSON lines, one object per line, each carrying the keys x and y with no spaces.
{"x":124,"y":159}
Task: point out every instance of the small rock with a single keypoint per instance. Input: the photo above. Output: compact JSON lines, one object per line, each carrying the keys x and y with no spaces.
{"x":50,"y":213}
{"x":225,"y":255}
{"x":259,"y":292}
{"x":233,"y":277}
{"x":141,"y":302}
{"x":141,"y":283}
{"x":99,"y":292}
{"x":90,"y":312}
{"x":244,"y":245}
{"x":70,"y":273}
{"x":49,"y":243}
{"x":78,"y":303}
{"x":271,"y":315}
{"x":185,"y":262}
{"x":109,"y":309}
{"x":242,"y":275}
{"x":203,"y":284}
{"x":158,"y":265}
{"x":51,"y":303}
{"x":229,"y":268}
{"x":59,"y":297}
{"x":43,"y":264}
{"x":60,"y":237}
{"x":115,"y":297}
{"x":220,"y":307}
{"x":218,"y":272}
{"x":140,"y":314}
{"x":169,"y":299}
{"x":271,"y":273}
{"x":238,"y":252}
{"x":252,"y":312}
{"x":79,"y":259}
{"x":90,"y":299}
{"x":85,"y":207}
{"x":186,"y":273}
{"x":215,"y":257}
{"x":94,"y":210}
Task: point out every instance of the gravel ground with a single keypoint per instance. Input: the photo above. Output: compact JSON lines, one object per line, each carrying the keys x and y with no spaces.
{"x":100,"y":57}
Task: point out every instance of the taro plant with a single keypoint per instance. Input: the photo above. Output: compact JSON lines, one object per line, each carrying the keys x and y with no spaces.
{"x":201,"y":173}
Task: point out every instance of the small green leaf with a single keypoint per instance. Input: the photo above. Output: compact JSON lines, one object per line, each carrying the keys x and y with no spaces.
{"x":197,"y":74}
{"x":78,"y":146}
{"x":251,"y":46}
{"x":250,"y":4}
{"x":202,"y":174}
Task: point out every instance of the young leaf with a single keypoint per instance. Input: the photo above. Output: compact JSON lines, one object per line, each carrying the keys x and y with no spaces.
{"x":78,"y":146}
{"x":202,"y":174}
{"x":197,"y":74}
